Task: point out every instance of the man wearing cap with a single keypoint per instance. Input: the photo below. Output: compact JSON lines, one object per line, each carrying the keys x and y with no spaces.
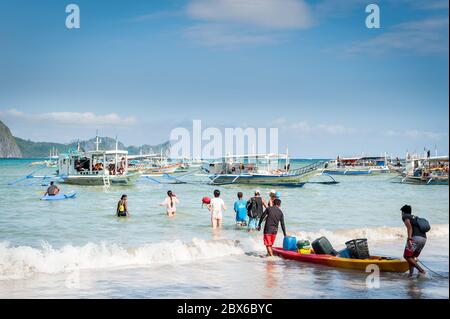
{"x":255,"y":209}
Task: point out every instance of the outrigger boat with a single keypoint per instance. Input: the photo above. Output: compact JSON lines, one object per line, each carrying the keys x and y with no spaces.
{"x":357,"y":166}
{"x":99,"y":167}
{"x":51,"y":162}
{"x":426,"y":170}
{"x":395,"y":165}
{"x":152,"y":164}
{"x":261,"y":169}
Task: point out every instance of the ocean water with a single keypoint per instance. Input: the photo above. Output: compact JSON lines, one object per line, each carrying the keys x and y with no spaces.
{"x":79,"y":249}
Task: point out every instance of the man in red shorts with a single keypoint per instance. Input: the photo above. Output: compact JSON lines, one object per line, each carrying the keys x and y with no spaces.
{"x":274,"y":217}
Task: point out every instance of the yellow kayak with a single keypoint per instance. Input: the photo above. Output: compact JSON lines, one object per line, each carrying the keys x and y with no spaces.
{"x":385,"y":264}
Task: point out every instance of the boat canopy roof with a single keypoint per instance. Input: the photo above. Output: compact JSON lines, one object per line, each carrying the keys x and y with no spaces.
{"x":361,"y":158}
{"x":372,"y":158}
{"x":433,"y":159}
{"x":144,"y":156}
{"x":93,"y":153}
{"x":268,"y":155}
{"x":111,"y":152}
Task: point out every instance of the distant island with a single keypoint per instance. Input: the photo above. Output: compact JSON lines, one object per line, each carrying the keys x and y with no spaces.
{"x":15,"y":147}
{"x":8,"y":144}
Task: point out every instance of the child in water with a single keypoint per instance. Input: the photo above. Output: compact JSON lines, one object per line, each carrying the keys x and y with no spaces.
{"x":216,"y":207}
{"x":122,"y":207}
{"x":170,"y":204}
{"x":240,"y":207}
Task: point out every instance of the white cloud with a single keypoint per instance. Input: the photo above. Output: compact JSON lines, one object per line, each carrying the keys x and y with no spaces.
{"x":426,"y":4}
{"x":423,"y":37}
{"x":415,"y":134}
{"x":274,"y":14}
{"x":304,"y":127}
{"x":336,"y":129}
{"x":70,"y":118}
{"x":213,"y":35}
{"x":157,"y":15}
{"x":229,"y":23}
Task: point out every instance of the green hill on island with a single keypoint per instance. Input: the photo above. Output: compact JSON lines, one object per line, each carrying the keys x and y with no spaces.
{"x":8,"y":144}
{"x":15,"y":147}
{"x":30,"y":149}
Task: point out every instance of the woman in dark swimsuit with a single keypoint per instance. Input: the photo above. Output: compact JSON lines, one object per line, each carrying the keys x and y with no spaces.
{"x":122,"y":207}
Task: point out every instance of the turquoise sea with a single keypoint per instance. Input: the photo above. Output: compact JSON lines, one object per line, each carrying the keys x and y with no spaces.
{"x":79,"y":249}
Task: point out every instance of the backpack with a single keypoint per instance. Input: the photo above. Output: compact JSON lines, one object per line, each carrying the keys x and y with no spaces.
{"x":252,"y":208}
{"x":423,"y":224}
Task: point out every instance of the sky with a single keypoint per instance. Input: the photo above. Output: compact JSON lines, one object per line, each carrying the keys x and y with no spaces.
{"x":138,"y":69}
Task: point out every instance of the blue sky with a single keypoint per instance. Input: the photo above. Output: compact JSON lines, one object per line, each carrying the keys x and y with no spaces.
{"x":137,"y":69}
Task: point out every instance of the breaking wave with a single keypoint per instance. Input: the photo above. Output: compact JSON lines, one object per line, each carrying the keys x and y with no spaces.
{"x":372,"y":234}
{"x":23,"y":261}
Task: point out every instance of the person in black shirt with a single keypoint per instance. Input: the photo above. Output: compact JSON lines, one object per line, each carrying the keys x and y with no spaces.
{"x":274,"y":217}
{"x":255,"y":209}
{"x":415,"y":242}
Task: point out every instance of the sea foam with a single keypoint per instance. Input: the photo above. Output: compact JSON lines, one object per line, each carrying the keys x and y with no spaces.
{"x":17,"y":262}
{"x":372,"y":234}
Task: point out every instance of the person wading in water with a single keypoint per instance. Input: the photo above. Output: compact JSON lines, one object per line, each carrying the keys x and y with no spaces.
{"x":170,"y":203}
{"x":122,"y":207}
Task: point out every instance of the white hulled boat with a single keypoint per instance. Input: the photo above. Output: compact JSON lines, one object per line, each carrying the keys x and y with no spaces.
{"x":152,"y":164}
{"x":426,"y":170}
{"x":357,"y":166}
{"x":260,"y":169}
{"x":99,"y":167}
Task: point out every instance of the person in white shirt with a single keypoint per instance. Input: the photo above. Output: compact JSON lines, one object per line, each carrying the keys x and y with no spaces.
{"x":170,"y":204}
{"x":216,"y":207}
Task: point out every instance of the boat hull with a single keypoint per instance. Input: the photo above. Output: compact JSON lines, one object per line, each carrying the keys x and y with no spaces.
{"x":170,"y":169}
{"x":262,"y":179}
{"x":419,"y":180}
{"x":356,"y":171}
{"x":97,"y":180}
{"x":384,"y":265}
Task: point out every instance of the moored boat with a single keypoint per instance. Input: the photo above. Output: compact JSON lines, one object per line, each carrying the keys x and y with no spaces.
{"x":426,"y":170}
{"x":357,"y":166}
{"x":152,"y":164}
{"x":94,"y":168}
{"x":52,"y":161}
{"x":260,"y":169}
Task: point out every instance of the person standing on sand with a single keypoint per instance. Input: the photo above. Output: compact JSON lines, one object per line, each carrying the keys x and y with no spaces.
{"x":416,"y":239}
{"x":274,"y":217}
{"x":170,"y":203}
{"x":215,"y":207}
